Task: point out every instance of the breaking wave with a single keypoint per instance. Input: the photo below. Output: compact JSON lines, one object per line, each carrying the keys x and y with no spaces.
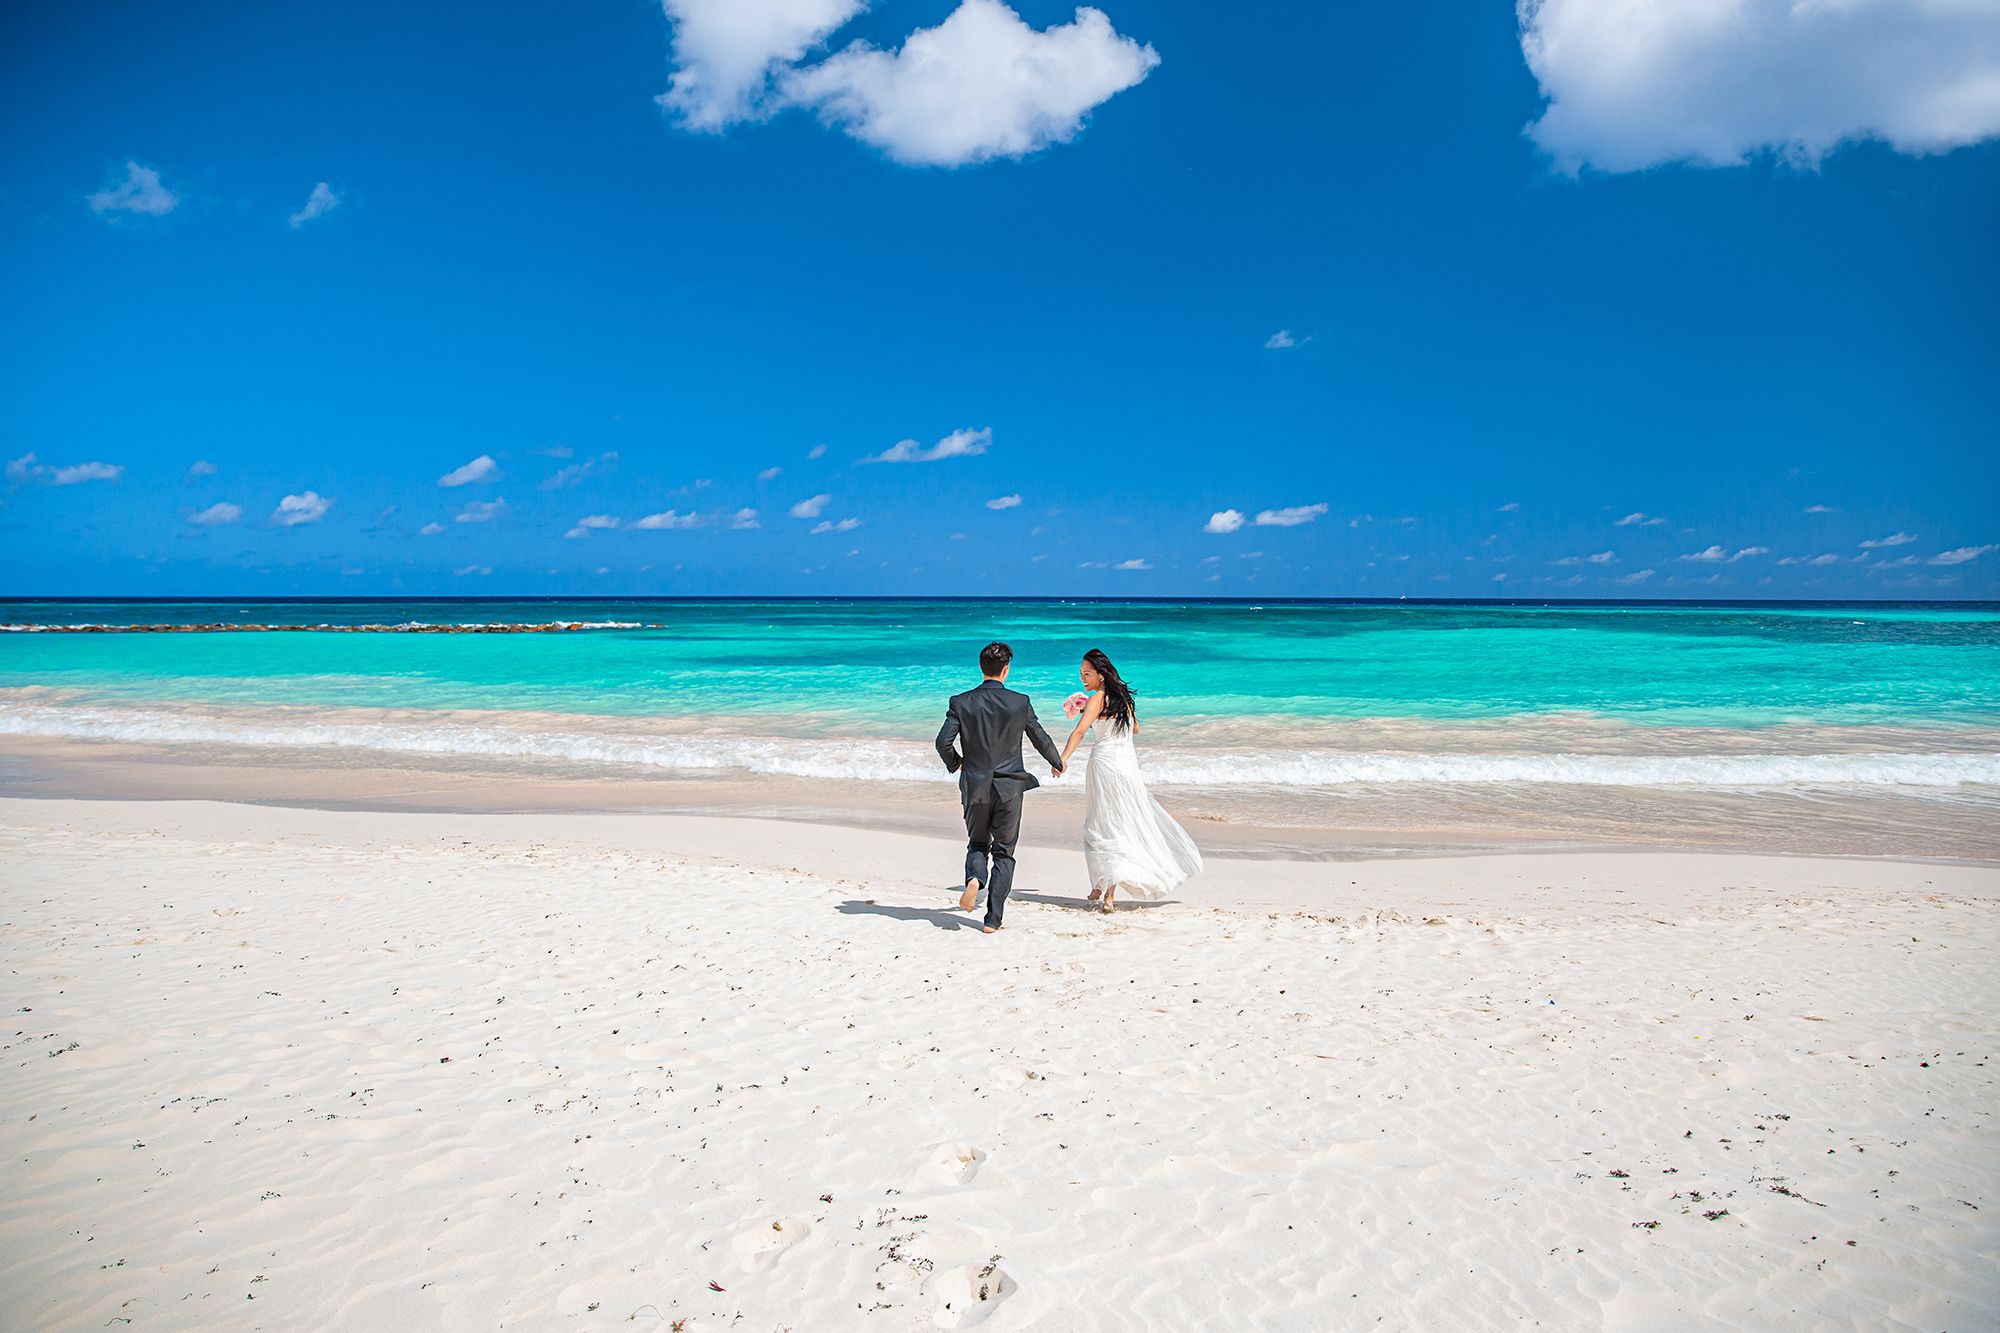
{"x":868,"y":759}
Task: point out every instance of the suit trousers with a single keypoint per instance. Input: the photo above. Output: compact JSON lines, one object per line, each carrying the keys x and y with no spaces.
{"x":992,"y":827}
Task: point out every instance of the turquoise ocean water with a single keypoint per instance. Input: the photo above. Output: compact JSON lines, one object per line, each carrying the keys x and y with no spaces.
{"x":1236,"y":698}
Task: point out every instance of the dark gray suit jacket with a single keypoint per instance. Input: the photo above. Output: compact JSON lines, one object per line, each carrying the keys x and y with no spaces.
{"x":990,"y":722}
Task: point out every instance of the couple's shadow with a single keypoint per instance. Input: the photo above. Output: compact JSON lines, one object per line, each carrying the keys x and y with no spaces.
{"x":950,"y":918}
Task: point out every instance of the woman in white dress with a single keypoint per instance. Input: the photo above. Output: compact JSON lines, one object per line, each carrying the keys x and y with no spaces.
{"x":1130,"y":843}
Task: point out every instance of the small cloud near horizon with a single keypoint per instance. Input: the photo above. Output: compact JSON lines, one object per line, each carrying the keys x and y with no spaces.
{"x":1636,"y":520}
{"x":961,"y":443}
{"x":1224,"y":521}
{"x":140,"y":193}
{"x":482,"y":468}
{"x":590,"y":523}
{"x":575,"y":473}
{"x":1280,"y":340}
{"x":27,"y":468}
{"x":1289,"y":517}
{"x":1893,"y":539}
{"x":1004,"y":502}
{"x":318,"y":204}
{"x":482,"y":511}
{"x":810,"y":507}
{"x":305,"y":507}
{"x":216,"y":515}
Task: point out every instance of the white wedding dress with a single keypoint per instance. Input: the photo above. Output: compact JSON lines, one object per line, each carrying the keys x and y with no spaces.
{"x":1130,"y":842}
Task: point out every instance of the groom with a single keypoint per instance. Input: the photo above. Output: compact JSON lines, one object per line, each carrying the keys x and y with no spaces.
{"x":990,"y":722}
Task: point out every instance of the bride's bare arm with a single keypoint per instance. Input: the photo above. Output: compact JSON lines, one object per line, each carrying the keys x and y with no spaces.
{"x":1090,"y":712}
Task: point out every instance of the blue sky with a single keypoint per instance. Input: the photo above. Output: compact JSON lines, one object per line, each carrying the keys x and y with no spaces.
{"x":1297,"y":300}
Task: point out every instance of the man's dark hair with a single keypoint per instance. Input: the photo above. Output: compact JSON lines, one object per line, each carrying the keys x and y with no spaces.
{"x":993,"y":658}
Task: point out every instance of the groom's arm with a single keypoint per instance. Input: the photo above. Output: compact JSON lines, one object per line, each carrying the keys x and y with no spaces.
{"x":947,"y":734}
{"x":1043,"y":745}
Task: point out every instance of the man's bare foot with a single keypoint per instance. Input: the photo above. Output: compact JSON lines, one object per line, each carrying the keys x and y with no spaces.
{"x":989,"y":930}
{"x":970,"y":896}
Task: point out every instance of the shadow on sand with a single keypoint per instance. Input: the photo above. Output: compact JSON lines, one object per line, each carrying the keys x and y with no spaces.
{"x":944,"y":918}
{"x":950,"y":918}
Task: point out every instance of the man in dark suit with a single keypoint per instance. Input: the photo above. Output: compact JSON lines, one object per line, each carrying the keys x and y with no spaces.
{"x":990,"y":722}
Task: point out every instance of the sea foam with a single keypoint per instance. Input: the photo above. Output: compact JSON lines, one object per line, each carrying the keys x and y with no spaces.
{"x":872,"y":759}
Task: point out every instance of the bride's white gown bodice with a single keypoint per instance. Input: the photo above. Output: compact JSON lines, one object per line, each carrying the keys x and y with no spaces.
{"x":1129,"y":841}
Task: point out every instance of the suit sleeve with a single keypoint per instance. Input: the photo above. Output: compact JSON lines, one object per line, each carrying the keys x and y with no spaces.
{"x":947,"y":735}
{"x":1040,"y":740}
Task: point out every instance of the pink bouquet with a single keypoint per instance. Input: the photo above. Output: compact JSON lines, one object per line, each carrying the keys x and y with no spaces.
{"x":1075,"y":704}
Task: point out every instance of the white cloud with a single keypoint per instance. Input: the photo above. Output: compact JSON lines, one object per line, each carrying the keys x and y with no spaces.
{"x":140,"y":192}
{"x":1281,"y":339}
{"x":1601,"y":558}
{"x":473,"y":571}
{"x":845,"y":525}
{"x":1223,"y":520}
{"x":482,"y":511}
{"x":725,"y":52}
{"x":318,"y":204}
{"x":1821,"y":509}
{"x":1500,"y":577}
{"x":1637,"y":576}
{"x":1133,"y":564}
{"x":482,"y":468}
{"x":817,"y":451}
{"x":743,"y":520}
{"x":1632,"y":84}
{"x":1893,"y":539}
{"x":963,"y":443}
{"x":590,"y":523}
{"x":769,"y":474}
{"x":576,"y":472}
{"x":430,"y":529}
{"x":216,"y":515}
{"x":26,"y":468}
{"x":1290,"y":517}
{"x":1004,"y":502}
{"x":666,"y":519}
{"x":1828,"y":559}
{"x":1715,"y":554}
{"x":1961,"y":554}
{"x":307,"y":507}
{"x":1638,"y":521}
{"x":200,"y":468}
{"x":811,"y":507}
{"x":1509,"y":507}
{"x":80,"y":472}
{"x":980,"y":85}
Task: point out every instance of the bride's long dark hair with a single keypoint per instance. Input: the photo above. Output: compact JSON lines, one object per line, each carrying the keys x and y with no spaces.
{"x":1117,"y":694}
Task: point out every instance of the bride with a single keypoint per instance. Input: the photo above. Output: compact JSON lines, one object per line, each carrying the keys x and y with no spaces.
{"x":1129,"y":841}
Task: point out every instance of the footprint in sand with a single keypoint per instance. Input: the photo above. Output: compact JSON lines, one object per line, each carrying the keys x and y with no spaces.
{"x":760,"y":1247}
{"x":955,"y":1163}
{"x":970,"y":1295}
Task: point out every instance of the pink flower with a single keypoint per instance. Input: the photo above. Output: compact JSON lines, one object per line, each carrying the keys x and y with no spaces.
{"x":1075,"y":704}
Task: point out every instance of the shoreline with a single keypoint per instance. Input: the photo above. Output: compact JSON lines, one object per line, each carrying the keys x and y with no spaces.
{"x":1284,"y":826}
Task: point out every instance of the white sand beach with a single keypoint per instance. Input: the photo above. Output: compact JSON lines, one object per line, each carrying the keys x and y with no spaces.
{"x":279,"y":1068}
